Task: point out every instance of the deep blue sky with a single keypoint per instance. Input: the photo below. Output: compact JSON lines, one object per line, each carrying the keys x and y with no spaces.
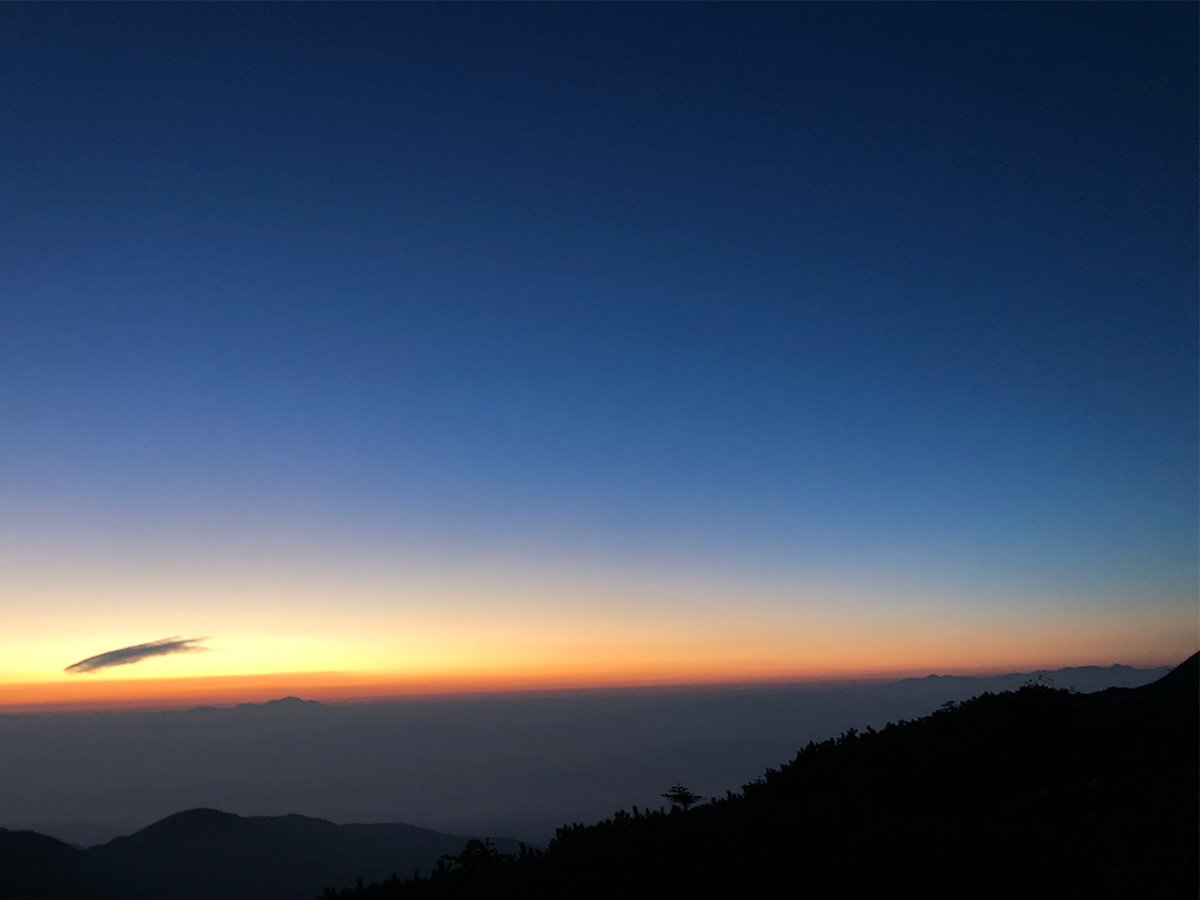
{"x":762,"y":287}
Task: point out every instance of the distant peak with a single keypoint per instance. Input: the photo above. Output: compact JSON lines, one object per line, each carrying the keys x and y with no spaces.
{"x":202,"y":812}
{"x":281,"y":703}
{"x":202,"y":817}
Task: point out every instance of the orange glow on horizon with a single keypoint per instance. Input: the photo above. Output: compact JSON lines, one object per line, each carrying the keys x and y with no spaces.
{"x":457,"y":649}
{"x":96,"y":694}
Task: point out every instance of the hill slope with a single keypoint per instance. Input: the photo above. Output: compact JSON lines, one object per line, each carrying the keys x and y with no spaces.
{"x":205,"y":854}
{"x":36,"y":867}
{"x":1036,"y":791}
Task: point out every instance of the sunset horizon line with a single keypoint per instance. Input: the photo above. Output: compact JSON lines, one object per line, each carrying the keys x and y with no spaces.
{"x":174,"y":693}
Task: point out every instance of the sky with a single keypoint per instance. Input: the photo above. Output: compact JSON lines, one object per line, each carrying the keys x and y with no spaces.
{"x":366,"y":350}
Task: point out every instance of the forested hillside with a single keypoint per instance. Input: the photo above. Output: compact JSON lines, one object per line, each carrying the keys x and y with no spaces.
{"x":1038,"y":791}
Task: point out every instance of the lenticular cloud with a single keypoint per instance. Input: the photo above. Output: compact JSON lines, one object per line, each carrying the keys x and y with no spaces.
{"x":136,"y":653}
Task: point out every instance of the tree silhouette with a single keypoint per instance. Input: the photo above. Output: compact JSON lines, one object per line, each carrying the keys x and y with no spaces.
{"x":681,"y":797}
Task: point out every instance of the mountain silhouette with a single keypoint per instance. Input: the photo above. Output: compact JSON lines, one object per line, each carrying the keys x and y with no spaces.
{"x":36,"y":867}
{"x":206,"y":854}
{"x":1085,"y":679}
{"x":1039,"y":791}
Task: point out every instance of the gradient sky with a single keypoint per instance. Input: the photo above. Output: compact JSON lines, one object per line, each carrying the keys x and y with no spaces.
{"x":505,"y":345}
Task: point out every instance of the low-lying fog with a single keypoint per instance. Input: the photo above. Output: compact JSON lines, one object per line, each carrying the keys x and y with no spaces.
{"x":514,"y":766}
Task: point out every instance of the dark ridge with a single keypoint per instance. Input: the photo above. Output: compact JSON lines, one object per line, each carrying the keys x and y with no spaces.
{"x":190,"y":821}
{"x":1183,"y":681}
{"x":1082,"y":677}
{"x":207,"y":854}
{"x":1033,"y":792}
{"x":33,"y":865}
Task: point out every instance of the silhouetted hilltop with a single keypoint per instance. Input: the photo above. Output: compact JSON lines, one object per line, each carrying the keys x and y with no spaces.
{"x":1039,"y":792}
{"x":206,"y":854}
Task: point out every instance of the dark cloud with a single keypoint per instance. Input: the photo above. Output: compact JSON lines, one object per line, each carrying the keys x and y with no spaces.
{"x":137,"y":653}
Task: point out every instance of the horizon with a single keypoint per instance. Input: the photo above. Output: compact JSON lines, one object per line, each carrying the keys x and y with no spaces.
{"x":332,"y":688}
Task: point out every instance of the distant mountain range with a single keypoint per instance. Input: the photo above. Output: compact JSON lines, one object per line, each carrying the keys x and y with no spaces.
{"x":1084,"y":679}
{"x":205,"y":854}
